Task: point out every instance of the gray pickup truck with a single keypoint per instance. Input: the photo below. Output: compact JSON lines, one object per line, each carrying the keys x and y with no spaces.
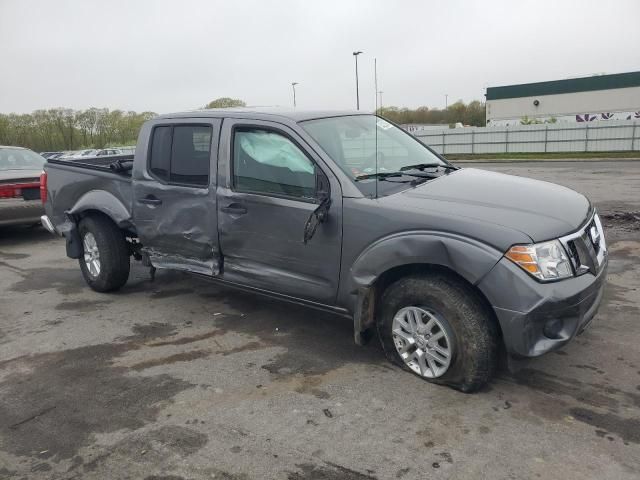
{"x":345,"y":212}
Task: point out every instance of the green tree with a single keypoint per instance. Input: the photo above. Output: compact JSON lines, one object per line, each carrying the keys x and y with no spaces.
{"x":66,"y":129}
{"x":472,"y":113}
{"x":225,"y":102}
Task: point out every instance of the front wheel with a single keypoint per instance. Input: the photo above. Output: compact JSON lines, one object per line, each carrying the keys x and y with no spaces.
{"x":105,"y":257}
{"x":436,"y":326}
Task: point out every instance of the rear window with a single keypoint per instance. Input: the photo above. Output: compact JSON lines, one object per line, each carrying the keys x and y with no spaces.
{"x":180,"y":154}
{"x":20,"y":159}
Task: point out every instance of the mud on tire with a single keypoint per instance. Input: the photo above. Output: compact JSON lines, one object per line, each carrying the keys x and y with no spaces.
{"x":113,"y":254}
{"x":472,"y":327}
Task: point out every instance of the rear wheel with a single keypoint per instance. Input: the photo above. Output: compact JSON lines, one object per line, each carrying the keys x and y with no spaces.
{"x":105,"y":259}
{"x":436,"y":326}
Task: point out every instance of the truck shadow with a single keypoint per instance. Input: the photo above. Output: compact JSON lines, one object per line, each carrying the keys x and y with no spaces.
{"x":18,"y":235}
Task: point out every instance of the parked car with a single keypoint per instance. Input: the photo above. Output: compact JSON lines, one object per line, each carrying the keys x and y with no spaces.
{"x":108,"y":151}
{"x":51,"y":154}
{"x":20,"y":170}
{"x":443,"y":264}
{"x":79,"y":154}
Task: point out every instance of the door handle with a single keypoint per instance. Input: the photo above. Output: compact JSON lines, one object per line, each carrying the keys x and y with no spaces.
{"x":234,"y":208}
{"x":150,"y":200}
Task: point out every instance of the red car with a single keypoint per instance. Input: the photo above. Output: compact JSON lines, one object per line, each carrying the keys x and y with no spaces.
{"x":20,"y":201}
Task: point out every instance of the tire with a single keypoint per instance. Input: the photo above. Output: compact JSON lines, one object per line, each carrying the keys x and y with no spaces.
{"x":469,"y":332}
{"x":103,"y":237}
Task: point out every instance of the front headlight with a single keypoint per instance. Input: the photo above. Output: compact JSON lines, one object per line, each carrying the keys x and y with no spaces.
{"x":545,"y":261}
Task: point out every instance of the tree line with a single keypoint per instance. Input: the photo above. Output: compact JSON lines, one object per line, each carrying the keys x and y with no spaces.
{"x":66,"y":129}
{"x":472,"y":113}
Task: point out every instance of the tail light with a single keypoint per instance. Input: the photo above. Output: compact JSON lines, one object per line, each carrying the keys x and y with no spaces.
{"x":16,"y":190}
{"x":43,"y":187}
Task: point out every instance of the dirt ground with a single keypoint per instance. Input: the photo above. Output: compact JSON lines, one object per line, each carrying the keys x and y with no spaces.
{"x":182,"y":379}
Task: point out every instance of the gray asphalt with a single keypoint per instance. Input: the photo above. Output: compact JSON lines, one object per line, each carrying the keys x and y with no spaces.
{"x":181,"y":379}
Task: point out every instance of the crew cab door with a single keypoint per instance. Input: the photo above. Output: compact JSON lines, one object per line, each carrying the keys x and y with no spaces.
{"x":174,"y":201}
{"x":269,"y":184}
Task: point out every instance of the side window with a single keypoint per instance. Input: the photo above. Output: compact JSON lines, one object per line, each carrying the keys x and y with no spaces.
{"x":269,"y":163}
{"x":161,"y":152}
{"x":190,"y":154}
{"x":180,"y":154}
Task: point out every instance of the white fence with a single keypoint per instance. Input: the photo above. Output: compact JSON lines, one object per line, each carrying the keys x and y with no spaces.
{"x":610,"y":136}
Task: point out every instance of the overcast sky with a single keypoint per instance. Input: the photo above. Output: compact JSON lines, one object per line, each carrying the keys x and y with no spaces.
{"x":176,"y":55}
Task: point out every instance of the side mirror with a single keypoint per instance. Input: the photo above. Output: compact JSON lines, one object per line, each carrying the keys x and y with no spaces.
{"x":321,"y":213}
{"x":318,"y":216}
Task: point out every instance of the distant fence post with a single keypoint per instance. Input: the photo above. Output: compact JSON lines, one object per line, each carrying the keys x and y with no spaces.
{"x":506,"y":139}
{"x":473,"y":136}
{"x":546,"y":135}
{"x":633,"y":136}
{"x":443,"y":137}
{"x":586,"y":138}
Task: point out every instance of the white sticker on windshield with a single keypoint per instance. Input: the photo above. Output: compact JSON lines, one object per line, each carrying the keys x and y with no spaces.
{"x":383,"y":124}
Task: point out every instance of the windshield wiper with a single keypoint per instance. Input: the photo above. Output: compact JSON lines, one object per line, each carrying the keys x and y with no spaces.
{"x":379,"y":175}
{"x":422,"y":166}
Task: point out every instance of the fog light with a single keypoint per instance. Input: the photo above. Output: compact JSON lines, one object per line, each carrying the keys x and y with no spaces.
{"x":552,"y":328}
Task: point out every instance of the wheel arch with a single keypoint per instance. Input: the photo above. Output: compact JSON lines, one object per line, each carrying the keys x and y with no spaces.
{"x":103,"y":202}
{"x":408,"y":253}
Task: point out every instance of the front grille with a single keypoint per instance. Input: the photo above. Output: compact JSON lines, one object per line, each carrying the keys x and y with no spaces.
{"x":587,"y":247}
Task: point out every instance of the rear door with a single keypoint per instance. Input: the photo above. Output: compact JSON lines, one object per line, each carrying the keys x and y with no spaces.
{"x":269,"y":182}
{"x":174,"y":204}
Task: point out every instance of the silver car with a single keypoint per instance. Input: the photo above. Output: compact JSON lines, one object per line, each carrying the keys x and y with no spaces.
{"x":20,"y":170}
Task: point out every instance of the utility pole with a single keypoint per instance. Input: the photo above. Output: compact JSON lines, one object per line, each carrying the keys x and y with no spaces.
{"x":375,"y":81}
{"x":293,"y":85}
{"x":355,"y":55}
{"x":446,"y":101}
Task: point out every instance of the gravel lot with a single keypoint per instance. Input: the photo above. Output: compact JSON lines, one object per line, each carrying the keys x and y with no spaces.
{"x":181,"y":379}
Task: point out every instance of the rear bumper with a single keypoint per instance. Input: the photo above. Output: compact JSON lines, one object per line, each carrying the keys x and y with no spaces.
{"x":48,"y":225}
{"x":537,"y":318}
{"x":20,"y":212}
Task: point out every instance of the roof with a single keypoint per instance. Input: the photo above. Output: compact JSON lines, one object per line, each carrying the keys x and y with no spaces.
{"x":570,"y":85}
{"x":264,"y":113}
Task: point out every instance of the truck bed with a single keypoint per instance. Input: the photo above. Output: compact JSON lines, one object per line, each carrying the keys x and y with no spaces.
{"x":68,"y":181}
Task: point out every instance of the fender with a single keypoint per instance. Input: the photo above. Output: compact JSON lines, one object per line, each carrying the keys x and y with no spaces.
{"x":106,"y":203}
{"x":99,"y":200}
{"x":469,"y":258}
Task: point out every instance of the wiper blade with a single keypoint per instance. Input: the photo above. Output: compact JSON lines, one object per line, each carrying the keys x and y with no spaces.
{"x":379,"y":175}
{"x":422,"y":166}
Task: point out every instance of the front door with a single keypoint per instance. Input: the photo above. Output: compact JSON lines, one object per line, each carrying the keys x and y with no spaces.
{"x":174,"y":196}
{"x":269,"y":184}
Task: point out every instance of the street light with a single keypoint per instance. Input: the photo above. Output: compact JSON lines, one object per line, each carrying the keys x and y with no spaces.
{"x":355,"y":55}
{"x":293,"y":85}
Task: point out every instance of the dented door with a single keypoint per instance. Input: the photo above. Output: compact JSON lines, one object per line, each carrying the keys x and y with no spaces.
{"x":174,"y":204}
{"x":266,"y":192}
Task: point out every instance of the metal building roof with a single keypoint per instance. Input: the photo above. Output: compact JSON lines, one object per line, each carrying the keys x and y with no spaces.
{"x":571,"y":85}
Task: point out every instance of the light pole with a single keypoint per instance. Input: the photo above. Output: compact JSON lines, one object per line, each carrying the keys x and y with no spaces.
{"x":355,"y":55}
{"x":446,"y":101}
{"x":293,"y":85}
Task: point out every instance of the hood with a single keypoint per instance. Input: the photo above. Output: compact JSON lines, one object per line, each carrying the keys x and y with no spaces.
{"x":541,"y":210}
{"x":20,"y":175}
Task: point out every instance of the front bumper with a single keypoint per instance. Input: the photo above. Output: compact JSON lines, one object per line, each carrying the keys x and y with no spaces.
{"x":535,"y":317}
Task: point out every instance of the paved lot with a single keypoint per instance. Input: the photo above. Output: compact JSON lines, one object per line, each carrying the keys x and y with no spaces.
{"x":181,"y":379}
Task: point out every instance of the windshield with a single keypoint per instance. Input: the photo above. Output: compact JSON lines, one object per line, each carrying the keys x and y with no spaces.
{"x":19,"y":159}
{"x":363,"y":145}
